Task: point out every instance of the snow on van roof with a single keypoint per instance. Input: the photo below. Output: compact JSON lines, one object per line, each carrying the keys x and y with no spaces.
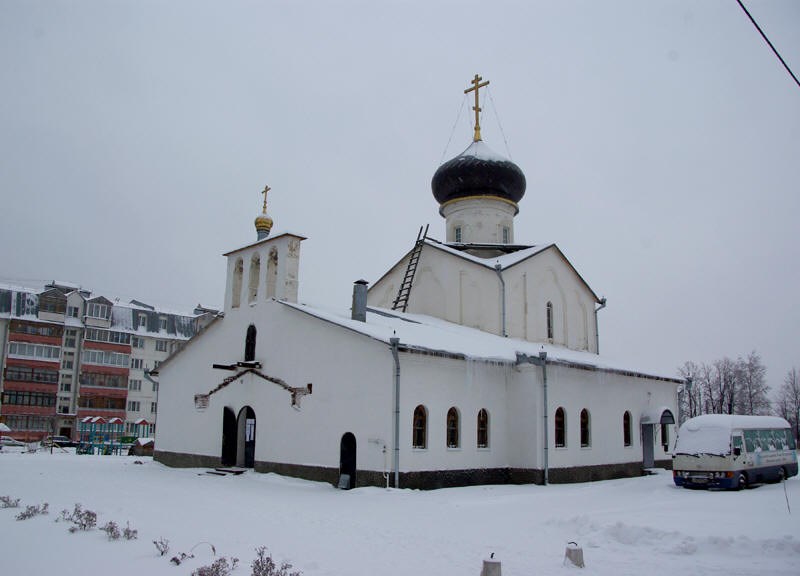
{"x":711,"y":433}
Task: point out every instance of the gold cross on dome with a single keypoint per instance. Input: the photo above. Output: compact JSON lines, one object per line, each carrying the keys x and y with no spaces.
{"x":264,"y":192}
{"x":476,"y":85}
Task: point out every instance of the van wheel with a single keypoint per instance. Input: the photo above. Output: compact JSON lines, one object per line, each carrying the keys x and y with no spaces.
{"x":741,"y":483}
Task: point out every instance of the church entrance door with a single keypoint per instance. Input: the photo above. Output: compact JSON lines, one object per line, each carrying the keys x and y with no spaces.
{"x":648,"y":438}
{"x":228,"y":437}
{"x":246,"y":445}
{"x":347,"y":461}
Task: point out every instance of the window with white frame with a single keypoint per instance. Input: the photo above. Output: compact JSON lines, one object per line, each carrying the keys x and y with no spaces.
{"x":105,"y":358}
{"x":137,"y":363}
{"x":153,"y":407}
{"x":133,"y":405}
{"x":161,"y":345}
{"x":162,"y":323}
{"x":134,"y":384}
{"x":137,"y":342}
{"x":155,"y":386}
{"x":143,"y":320}
{"x":70,"y":338}
{"x":36,"y":351}
{"x":97,"y":310}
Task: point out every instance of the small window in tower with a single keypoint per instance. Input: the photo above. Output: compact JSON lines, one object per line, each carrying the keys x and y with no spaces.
{"x":549,"y":320}
{"x":250,"y":344}
{"x":506,"y":235}
{"x":457,"y":234}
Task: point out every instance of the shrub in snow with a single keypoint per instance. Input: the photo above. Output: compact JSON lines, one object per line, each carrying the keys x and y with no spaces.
{"x":8,"y":502}
{"x":162,"y":545}
{"x":264,"y":565}
{"x":31,"y":511}
{"x":183,"y":556}
{"x":112,"y":530}
{"x":220,"y":567}
{"x":81,"y":519}
{"x":129,"y":533}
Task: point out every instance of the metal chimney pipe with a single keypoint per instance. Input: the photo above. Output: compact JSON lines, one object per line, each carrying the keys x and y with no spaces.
{"x":359,"y":308}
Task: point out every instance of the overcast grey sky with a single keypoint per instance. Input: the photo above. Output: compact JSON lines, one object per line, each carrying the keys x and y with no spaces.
{"x":660,"y":141}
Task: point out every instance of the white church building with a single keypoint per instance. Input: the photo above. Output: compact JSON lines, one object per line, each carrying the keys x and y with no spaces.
{"x":471,"y":361}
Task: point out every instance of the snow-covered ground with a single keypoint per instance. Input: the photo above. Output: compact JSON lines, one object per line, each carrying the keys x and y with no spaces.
{"x":633,"y":526}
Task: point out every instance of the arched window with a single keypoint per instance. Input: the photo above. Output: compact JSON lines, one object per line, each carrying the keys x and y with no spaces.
{"x":550,"y":320}
{"x":255,"y":272}
{"x":457,"y":234}
{"x":420,"y":432}
{"x":483,"y":428}
{"x":250,"y":344}
{"x":561,"y":428}
{"x":452,"y":428}
{"x":272,"y":272}
{"x":626,"y":428}
{"x":586,"y":429}
{"x":236,"y":288}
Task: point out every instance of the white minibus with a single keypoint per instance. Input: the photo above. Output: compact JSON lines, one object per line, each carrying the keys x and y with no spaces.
{"x":729,"y":451}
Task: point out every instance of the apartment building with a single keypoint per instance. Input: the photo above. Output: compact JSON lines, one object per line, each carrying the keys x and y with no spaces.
{"x":67,"y":354}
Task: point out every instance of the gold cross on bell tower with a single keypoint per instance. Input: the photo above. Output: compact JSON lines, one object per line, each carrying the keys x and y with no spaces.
{"x":264,"y":192}
{"x":476,"y":85}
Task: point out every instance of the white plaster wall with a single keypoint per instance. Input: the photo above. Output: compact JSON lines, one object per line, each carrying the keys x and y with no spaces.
{"x":607,"y":396}
{"x":459,"y":291}
{"x":352,"y":379}
{"x":544,"y":278}
{"x":441,"y":383}
{"x":481,"y":220}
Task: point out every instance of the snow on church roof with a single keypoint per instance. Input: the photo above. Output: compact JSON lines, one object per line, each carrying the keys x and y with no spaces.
{"x":429,"y":334}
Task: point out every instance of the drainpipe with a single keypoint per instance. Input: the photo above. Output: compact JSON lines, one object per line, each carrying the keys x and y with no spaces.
{"x":596,"y":327}
{"x":498,"y":269}
{"x":396,"y":465}
{"x":541,"y":360}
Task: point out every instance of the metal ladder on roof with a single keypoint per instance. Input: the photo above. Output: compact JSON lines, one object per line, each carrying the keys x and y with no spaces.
{"x":401,"y":302}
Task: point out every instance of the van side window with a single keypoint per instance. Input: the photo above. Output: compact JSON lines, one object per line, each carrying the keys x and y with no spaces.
{"x":737,"y":443}
{"x":750,"y":440}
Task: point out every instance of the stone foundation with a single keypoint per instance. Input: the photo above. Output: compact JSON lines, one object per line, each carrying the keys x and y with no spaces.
{"x":426,"y":480}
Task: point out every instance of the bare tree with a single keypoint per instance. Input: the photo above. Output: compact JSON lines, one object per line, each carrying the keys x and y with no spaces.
{"x":752,"y":389}
{"x":787,"y":403}
{"x":725,"y":387}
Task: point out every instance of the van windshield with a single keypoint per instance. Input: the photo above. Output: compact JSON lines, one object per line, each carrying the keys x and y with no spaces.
{"x":705,"y":440}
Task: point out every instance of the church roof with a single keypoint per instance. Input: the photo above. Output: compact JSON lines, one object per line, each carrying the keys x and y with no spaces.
{"x":520,"y":254}
{"x":426,"y":334}
{"x":264,"y":240}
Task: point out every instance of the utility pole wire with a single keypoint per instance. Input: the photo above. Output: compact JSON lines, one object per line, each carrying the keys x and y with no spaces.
{"x":764,"y":36}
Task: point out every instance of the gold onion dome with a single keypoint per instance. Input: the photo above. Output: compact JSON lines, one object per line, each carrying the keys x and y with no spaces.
{"x":263,"y":221}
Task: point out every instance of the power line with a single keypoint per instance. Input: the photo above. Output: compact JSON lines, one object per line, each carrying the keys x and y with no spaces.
{"x":764,"y":36}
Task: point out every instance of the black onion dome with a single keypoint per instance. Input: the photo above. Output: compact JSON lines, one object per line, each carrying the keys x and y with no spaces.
{"x":478,"y":171}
